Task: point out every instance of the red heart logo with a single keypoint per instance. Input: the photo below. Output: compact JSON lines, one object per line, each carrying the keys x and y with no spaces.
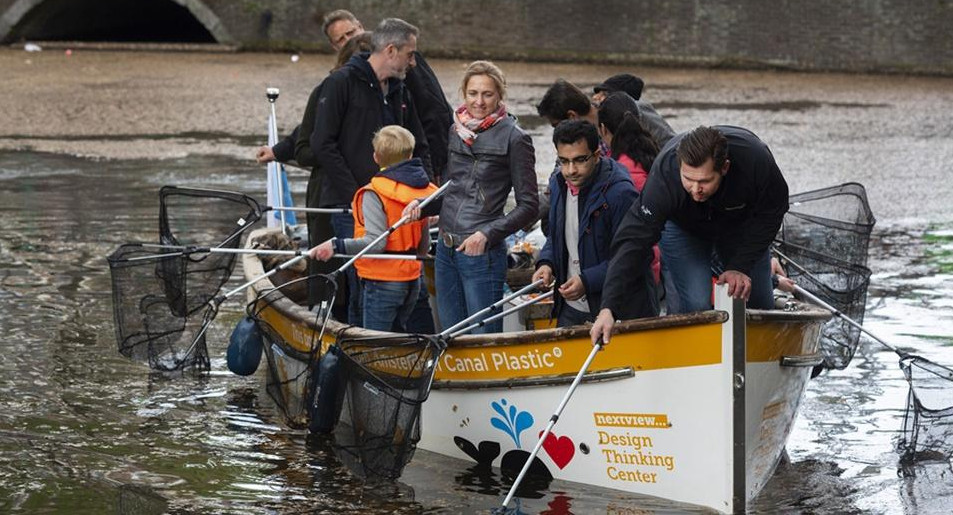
{"x":561,"y":449}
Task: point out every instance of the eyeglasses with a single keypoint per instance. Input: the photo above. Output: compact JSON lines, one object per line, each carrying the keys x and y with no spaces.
{"x":578,"y":160}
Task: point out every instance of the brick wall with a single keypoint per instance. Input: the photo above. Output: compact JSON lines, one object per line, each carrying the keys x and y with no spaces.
{"x":846,"y":35}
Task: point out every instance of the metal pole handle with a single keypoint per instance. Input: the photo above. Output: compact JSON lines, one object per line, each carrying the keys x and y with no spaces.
{"x":552,"y":421}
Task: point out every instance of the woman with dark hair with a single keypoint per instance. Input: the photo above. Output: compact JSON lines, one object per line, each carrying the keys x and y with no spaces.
{"x":630,"y":144}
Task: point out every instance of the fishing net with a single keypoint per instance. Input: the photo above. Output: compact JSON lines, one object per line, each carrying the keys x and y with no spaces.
{"x":928,"y":420}
{"x":842,"y":285}
{"x":291,"y":378}
{"x":836,"y":221}
{"x":824,"y":239}
{"x":153,"y":322}
{"x":823,"y":243}
{"x":383,"y":383}
{"x":164,"y":296}
{"x":190,"y":217}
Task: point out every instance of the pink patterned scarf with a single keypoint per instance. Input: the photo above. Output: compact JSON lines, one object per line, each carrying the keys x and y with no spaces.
{"x":468,"y":127}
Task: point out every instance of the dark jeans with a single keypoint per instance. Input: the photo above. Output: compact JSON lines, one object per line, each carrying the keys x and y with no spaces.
{"x":467,"y":284}
{"x":421,"y":318}
{"x":343,"y":225}
{"x":569,"y":316}
{"x":319,"y":231}
{"x":387,"y":304}
{"x":687,"y":263}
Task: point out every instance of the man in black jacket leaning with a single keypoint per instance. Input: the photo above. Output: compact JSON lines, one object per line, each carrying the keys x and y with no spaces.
{"x":720,"y":198}
{"x":355,"y":102}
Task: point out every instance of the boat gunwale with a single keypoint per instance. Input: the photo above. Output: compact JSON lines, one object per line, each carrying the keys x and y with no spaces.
{"x":252,"y":265}
{"x":596,"y":376}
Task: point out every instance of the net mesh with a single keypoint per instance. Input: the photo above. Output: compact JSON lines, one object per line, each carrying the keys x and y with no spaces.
{"x":292,"y":377}
{"x":198,"y":217}
{"x":836,"y":221}
{"x":152,"y":322}
{"x":290,"y":371}
{"x":928,"y":420}
{"x":164,"y":296}
{"x":826,"y":235}
{"x":840,"y":284}
{"x":383,"y":383}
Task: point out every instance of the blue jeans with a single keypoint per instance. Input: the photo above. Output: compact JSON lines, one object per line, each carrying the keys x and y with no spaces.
{"x":467,"y":284}
{"x":687,"y":265}
{"x":387,"y":304}
{"x":343,"y":225}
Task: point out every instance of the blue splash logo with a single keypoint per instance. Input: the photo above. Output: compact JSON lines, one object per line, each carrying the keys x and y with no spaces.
{"x":513,"y":423}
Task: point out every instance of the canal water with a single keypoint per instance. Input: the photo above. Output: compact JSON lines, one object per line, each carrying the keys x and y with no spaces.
{"x":84,"y":430}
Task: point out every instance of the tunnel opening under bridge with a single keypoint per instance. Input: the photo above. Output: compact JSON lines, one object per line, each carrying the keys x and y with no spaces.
{"x":120,"y":21}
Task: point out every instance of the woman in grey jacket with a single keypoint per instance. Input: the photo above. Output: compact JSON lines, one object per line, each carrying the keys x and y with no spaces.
{"x":489,"y":155}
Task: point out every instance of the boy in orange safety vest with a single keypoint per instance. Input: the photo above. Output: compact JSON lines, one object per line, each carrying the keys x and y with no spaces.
{"x":390,"y":286}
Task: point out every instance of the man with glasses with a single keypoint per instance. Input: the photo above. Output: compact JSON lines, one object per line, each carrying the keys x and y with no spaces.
{"x":564,"y":101}
{"x":589,"y":197}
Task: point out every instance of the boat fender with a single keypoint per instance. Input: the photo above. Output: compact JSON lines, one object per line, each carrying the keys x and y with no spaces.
{"x":244,"y":347}
{"x":324,"y":408}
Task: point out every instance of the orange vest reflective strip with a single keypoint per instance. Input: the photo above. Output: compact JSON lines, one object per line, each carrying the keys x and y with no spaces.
{"x":394,"y":196}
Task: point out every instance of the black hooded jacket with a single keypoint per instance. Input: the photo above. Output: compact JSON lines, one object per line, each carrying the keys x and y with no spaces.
{"x":352,"y":108}
{"x":741,"y":218}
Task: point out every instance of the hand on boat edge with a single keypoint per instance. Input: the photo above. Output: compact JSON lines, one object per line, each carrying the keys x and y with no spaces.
{"x":739,"y":284}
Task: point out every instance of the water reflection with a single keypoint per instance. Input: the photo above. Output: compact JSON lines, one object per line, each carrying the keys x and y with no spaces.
{"x":927,"y":486}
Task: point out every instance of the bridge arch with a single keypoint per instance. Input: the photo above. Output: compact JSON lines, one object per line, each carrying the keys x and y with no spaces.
{"x":186,"y":21}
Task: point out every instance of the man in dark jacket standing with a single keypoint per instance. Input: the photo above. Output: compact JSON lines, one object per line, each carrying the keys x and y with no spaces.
{"x":720,"y":197}
{"x":435,"y":113}
{"x":590,"y":196}
{"x":355,"y":102}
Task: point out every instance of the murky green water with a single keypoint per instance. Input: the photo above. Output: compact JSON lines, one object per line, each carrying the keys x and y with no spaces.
{"x":82,"y":429}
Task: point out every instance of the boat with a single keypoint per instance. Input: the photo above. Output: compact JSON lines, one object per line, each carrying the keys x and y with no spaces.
{"x":691,"y":408}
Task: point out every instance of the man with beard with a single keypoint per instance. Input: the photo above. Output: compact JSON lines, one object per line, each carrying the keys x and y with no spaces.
{"x":355,"y":102}
{"x":714,"y":201}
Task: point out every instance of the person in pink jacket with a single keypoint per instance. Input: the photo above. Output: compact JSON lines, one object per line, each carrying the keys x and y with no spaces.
{"x":629,"y":144}
{"x":628,"y":141}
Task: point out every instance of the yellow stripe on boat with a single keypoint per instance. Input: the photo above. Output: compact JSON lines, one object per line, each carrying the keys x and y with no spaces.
{"x":661,"y":349}
{"x":767,"y":342}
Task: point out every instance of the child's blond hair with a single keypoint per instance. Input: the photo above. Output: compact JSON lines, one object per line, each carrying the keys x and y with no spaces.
{"x":393,"y":144}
